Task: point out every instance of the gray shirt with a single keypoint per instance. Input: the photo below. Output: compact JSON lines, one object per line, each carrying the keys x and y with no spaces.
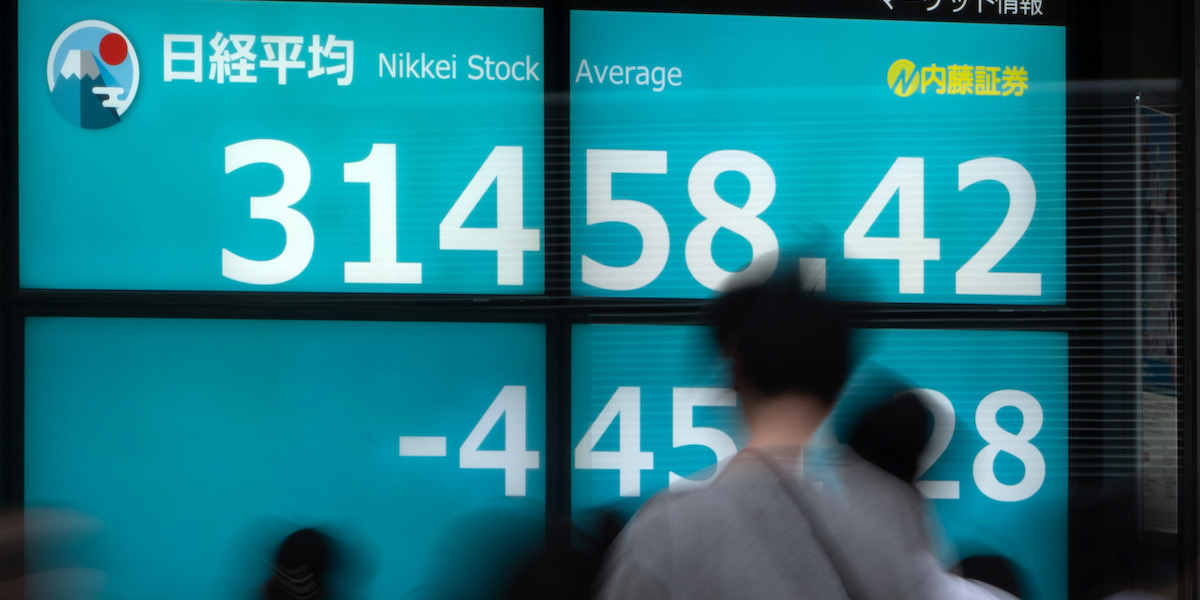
{"x":760,"y":531}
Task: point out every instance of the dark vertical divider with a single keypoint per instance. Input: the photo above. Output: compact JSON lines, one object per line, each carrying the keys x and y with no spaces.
{"x":11,"y":331}
{"x":558,"y":271}
{"x":1084,"y":222}
{"x":558,"y":431}
{"x":12,"y":429}
{"x":8,"y":154}
{"x":558,"y":148}
{"x":11,"y":411}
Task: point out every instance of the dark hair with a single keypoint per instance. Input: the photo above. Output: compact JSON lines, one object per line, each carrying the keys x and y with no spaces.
{"x":300,"y":567}
{"x":892,"y":435}
{"x":783,"y":338}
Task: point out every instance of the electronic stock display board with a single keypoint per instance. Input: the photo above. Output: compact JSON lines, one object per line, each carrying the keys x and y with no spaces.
{"x":320,"y":147}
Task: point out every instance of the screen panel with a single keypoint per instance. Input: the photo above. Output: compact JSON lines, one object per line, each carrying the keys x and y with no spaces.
{"x":650,"y":406}
{"x":263,"y":146}
{"x":200,"y":444}
{"x":924,"y":166}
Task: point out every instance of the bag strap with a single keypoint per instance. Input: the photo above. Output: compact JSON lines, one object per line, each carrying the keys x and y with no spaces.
{"x":829,"y":542}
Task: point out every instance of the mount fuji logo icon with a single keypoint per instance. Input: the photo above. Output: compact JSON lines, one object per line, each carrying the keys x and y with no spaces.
{"x":93,"y":74}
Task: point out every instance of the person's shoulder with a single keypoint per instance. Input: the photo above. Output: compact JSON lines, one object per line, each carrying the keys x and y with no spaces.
{"x":663,"y":510}
{"x":724,"y":490}
{"x":867,"y":481}
{"x":639,"y":561}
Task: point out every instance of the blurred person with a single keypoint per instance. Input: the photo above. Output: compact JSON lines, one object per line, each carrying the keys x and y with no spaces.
{"x":892,"y":436}
{"x":764,"y":528}
{"x":40,"y":556}
{"x":301,"y":566}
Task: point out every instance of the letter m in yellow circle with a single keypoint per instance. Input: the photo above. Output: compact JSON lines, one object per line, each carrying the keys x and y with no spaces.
{"x":902,"y":77}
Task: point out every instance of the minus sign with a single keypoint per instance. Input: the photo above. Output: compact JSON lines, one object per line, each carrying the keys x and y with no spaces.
{"x":422,"y":445}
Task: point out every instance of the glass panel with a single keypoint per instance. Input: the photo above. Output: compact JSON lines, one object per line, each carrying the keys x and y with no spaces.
{"x":201,"y":444}
{"x":924,"y":166}
{"x":998,"y":485}
{"x":270,"y":146}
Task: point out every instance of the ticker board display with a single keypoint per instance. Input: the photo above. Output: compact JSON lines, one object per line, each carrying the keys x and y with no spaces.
{"x":316,"y":147}
{"x":652,"y":408}
{"x":198,"y":443}
{"x":263,"y":146}
{"x":917,"y":161}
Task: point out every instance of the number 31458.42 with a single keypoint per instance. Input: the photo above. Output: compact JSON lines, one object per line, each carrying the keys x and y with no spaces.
{"x":510,"y":239}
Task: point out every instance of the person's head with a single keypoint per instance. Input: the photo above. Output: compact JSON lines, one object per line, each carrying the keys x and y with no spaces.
{"x":893,"y":435}
{"x":783,"y":339}
{"x":300,"y":566}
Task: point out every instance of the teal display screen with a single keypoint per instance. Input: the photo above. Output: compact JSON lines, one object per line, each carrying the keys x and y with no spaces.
{"x":909,"y":161}
{"x":291,"y":146}
{"x":201,"y":146}
{"x":651,"y":409}
{"x":200,"y":444}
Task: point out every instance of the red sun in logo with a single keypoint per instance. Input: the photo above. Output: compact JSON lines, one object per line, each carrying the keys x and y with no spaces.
{"x":113,"y":49}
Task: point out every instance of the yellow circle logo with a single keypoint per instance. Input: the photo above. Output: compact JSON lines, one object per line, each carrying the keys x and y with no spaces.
{"x":902,"y":78}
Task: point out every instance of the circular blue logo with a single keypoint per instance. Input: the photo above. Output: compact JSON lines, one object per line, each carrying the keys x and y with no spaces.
{"x":93,"y":74}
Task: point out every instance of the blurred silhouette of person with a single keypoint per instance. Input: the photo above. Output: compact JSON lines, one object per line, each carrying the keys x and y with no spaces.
{"x":762,"y":528}
{"x":40,"y":556}
{"x":301,"y":566}
{"x":892,"y":436}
